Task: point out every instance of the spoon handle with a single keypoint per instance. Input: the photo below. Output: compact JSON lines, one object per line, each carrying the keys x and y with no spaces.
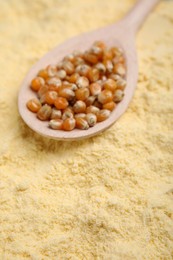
{"x":138,"y":13}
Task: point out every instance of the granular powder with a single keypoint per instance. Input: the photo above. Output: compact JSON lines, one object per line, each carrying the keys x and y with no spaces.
{"x":109,"y":197}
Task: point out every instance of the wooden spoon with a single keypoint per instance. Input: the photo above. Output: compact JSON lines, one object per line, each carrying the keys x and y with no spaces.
{"x":121,"y":34}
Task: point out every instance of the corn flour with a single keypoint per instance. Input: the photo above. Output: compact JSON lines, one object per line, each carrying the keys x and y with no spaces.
{"x":106,"y":198}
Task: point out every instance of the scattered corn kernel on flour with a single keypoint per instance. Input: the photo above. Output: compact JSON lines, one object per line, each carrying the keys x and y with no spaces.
{"x":109,"y":197}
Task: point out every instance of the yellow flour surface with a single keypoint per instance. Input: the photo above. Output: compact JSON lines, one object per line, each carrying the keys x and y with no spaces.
{"x":106,"y":198}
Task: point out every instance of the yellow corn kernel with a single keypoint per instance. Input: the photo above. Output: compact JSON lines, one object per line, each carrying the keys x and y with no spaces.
{"x":50,"y":97}
{"x":82,"y":94}
{"x":54,"y":81}
{"x":78,"y":61}
{"x":118,"y":95}
{"x":95,"y":89}
{"x":56,"y":114}
{"x":68,"y":67}
{"x":73,"y":78}
{"x":121,"y":84}
{"x":61,"y":74}
{"x":109,"y":106}
{"x":43,"y":74}
{"x":44,"y":112}
{"x":61,"y":103}
{"x":66,"y":92}
{"x":91,"y":119}
{"x":93,"y":74}
{"x":92,"y":110}
{"x":120,"y":69}
{"x":90,"y":100}
{"x":99,"y":44}
{"x":80,"y":115}
{"x":90,"y":58}
{"x":69,"y":124}
{"x":105,"y":96}
{"x":101,"y":67}
{"x":33,"y":105}
{"x":83,"y":69}
{"x":51,"y":70}
{"x":42,"y":91}
{"x":56,"y":124}
{"x":37,"y":83}
{"x":81,"y":123}
{"x":103,"y":115}
{"x":79,"y":106}
{"x":110,"y":84}
{"x":67,"y":114}
{"x":82,"y":82}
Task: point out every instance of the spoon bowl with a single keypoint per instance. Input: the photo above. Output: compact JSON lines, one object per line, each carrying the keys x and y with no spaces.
{"x":122,"y":35}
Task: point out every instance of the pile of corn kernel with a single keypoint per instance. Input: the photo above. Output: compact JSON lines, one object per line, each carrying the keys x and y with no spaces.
{"x":81,"y":90}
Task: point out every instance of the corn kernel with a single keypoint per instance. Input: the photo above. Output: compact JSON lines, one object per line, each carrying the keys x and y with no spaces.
{"x":115,"y":77}
{"x":120,"y":69}
{"x":69,"y":124}
{"x":118,"y":60}
{"x":107,"y":54}
{"x":73,"y":78}
{"x":73,"y":86}
{"x":103,"y":115}
{"x":56,"y":124}
{"x":90,"y":58}
{"x":109,"y":66}
{"x":51,"y":70}
{"x":43,"y":74}
{"x":81,"y":123}
{"x":109,"y":106}
{"x":92,"y":109}
{"x":90,"y":100}
{"x":95,"y":89}
{"x":78,"y":61}
{"x":56,"y":114}
{"x":44,"y":112}
{"x":110,"y":84}
{"x":83,"y":69}
{"x":68,"y":67}
{"x":37,"y":83}
{"x":33,"y":105}
{"x":96,"y":50}
{"x":50,"y":97}
{"x":80,"y":115}
{"x":69,"y":57}
{"x":105,"y":96}
{"x":118,"y":95}
{"x":54,"y":81}
{"x":43,"y":99}
{"x":61,"y":103}
{"x":61,"y":74}
{"x":59,"y":65}
{"x":82,"y":82}
{"x":79,"y":106}
{"x":69,"y":109}
{"x":99,"y":44}
{"x":67,"y":114}
{"x":121,"y":84}
{"x":82,"y":94}
{"x":101,"y":67}
{"x":93,"y":74}
{"x":91,"y":119}
{"x":42,"y":91}
{"x":66,"y":92}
